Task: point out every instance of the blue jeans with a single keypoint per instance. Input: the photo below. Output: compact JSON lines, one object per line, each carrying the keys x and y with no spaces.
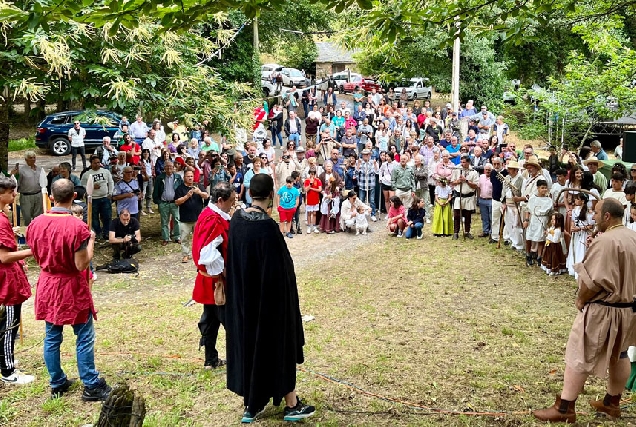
{"x":485,"y":209}
{"x":276,"y":133}
{"x":415,"y":229}
{"x":370,"y":200}
{"x":84,"y":345}
{"x":294,"y":137}
{"x":102,"y":212}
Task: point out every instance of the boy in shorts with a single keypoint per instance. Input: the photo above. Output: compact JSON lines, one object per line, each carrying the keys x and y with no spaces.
{"x":288,"y":197}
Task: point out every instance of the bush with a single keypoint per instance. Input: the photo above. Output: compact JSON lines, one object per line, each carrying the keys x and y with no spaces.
{"x":22,"y":144}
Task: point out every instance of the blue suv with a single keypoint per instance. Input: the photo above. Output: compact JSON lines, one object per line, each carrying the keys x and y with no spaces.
{"x":52,"y":132}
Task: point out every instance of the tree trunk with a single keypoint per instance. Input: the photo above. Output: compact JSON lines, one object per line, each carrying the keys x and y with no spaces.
{"x":4,"y":146}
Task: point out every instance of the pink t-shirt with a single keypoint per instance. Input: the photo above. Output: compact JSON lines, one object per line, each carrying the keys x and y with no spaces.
{"x":485,"y":187}
{"x":401,"y":211}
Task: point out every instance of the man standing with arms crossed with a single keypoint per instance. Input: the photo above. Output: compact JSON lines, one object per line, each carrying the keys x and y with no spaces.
{"x":190,"y":199}
{"x":102,"y":193}
{"x":62,"y":245}
{"x":76,"y":135}
{"x":606,"y":324}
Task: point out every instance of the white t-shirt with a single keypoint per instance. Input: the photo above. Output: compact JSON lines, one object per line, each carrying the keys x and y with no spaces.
{"x":77,"y":136}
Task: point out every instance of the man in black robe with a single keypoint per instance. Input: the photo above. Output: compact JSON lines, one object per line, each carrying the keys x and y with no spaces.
{"x":264,"y":328}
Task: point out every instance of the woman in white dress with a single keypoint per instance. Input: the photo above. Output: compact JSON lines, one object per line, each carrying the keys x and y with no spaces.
{"x":581,"y":224}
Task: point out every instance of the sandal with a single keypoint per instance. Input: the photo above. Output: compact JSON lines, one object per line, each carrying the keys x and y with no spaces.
{"x":185,"y":259}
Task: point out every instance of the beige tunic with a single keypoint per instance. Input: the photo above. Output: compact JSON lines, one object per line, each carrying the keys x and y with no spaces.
{"x":467,"y":202}
{"x":599,"y":333}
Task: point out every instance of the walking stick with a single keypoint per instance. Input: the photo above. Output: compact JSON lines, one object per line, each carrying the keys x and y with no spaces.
{"x":46,"y":202}
{"x":90,"y":187}
{"x":501,"y":230}
{"x":14,"y":214}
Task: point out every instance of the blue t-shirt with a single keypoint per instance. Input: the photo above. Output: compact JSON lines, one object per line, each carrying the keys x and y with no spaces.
{"x":288,"y":197}
{"x":450,"y":149}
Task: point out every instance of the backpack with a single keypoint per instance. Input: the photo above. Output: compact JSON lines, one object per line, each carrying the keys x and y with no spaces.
{"x":126,"y":265}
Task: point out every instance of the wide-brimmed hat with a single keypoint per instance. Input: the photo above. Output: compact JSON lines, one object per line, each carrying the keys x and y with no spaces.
{"x":531,"y":161}
{"x":513,"y":164}
{"x":593,"y":160}
{"x":300,"y":149}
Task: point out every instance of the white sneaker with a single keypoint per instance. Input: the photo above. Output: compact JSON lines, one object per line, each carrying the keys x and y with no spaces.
{"x":428,"y":221}
{"x":420,"y":237}
{"x":95,"y":276}
{"x":308,"y":230}
{"x":316,"y":230}
{"x":150,"y":211}
{"x":143,"y":213}
{"x":364,"y":232}
{"x":18,"y":378}
{"x":357,"y":232}
{"x":399,"y":234}
{"x":373,"y":218}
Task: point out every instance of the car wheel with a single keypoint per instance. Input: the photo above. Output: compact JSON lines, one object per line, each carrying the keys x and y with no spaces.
{"x":60,"y":146}
{"x":414,"y":97}
{"x":341,"y":89}
{"x":429,"y":95}
{"x":266,"y":92}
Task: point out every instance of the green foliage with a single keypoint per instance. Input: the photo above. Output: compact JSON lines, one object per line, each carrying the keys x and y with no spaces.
{"x":22,"y":144}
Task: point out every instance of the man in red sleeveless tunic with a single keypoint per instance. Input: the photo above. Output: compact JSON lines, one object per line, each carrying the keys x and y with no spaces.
{"x":14,"y":289}
{"x":63,"y":246}
{"x":209,"y":249}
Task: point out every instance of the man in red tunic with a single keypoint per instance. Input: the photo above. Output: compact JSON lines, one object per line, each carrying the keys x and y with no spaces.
{"x":63,"y":246}
{"x":14,"y":289}
{"x":209,"y":249}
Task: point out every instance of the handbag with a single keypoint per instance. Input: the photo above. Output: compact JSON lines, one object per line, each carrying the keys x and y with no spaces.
{"x":219,"y":292}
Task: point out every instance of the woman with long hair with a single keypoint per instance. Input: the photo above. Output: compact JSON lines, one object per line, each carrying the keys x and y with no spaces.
{"x":575,"y":178}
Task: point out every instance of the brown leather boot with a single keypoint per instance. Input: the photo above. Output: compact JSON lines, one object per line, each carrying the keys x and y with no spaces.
{"x":611,"y":405}
{"x":562,"y":411}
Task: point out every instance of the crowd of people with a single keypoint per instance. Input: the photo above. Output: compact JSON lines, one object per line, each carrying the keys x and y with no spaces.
{"x":427,"y":170}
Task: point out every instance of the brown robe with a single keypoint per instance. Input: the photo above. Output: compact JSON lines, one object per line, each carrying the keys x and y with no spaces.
{"x":600,"y":333}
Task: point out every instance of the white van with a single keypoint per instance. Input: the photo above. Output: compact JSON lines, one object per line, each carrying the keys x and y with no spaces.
{"x":268,"y":69}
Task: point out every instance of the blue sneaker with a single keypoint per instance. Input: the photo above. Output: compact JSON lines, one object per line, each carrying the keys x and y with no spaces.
{"x":250,"y":416}
{"x":298,"y":412}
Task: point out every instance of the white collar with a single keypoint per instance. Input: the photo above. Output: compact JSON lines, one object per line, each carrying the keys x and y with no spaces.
{"x":216,"y":209}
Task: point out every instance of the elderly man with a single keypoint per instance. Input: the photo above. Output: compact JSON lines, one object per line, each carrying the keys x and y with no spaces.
{"x":349,"y":143}
{"x":421,"y":172}
{"x":427,"y":149}
{"x":606,"y":324}
{"x":478,"y":160}
{"x":105,"y":152}
{"x":283,"y":170}
{"x":127,"y":193}
{"x":337,"y":162}
{"x":497,"y":177}
{"x":164,"y":196}
{"x":465,"y":182}
{"x":403,"y":181}
{"x":28,"y":177}
{"x":593,"y":164}
{"x":102,"y":193}
{"x":124,"y":235}
{"x":65,"y":173}
{"x":485,"y":201}
{"x":598,"y":151}
{"x":367,"y":171}
{"x":513,"y":230}
{"x":138,"y":130}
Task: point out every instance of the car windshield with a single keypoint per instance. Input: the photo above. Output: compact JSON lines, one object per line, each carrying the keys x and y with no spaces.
{"x":405,"y":83}
{"x":295,"y":73}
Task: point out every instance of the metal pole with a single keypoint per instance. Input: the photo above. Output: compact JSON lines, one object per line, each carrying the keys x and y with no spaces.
{"x":455,"y":77}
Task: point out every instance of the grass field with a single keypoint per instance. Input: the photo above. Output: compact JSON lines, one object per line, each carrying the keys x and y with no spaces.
{"x":459,"y":326}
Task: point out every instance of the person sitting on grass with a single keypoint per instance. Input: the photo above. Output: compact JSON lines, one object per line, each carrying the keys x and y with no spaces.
{"x":396,"y":218}
{"x":415,"y":219}
{"x":288,"y":197}
{"x":124,"y":235}
{"x":349,"y":211}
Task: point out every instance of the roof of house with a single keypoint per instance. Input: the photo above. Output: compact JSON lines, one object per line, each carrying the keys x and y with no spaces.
{"x":329,"y":52}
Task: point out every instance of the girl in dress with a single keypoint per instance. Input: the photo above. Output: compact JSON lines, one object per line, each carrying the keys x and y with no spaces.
{"x":443,"y":215}
{"x":581,"y":224}
{"x":553,"y":257}
{"x":330,"y":207}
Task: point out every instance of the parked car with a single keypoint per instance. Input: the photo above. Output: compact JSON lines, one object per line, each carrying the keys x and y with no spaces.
{"x":52,"y":132}
{"x":268,"y":69}
{"x":292,"y":76}
{"x":416,"y":88}
{"x":343,"y":77}
{"x":269,"y":89}
{"x":365,"y":83}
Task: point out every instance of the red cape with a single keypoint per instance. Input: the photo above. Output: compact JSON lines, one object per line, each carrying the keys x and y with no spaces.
{"x":209,"y":226}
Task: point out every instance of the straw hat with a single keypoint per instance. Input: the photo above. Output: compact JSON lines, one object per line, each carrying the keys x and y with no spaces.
{"x":513,"y":164}
{"x":531,"y":161}
{"x":594,"y":160}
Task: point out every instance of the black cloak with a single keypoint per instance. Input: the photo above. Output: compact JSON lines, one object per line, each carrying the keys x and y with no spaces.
{"x":264,"y":328}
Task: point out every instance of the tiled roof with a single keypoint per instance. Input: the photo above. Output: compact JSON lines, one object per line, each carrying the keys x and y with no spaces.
{"x":329,"y":52}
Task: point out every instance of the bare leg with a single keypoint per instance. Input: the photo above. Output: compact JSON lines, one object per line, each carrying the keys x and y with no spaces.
{"x":281,"y":227}
{"x":290,"y":399}
{"x":619,"y":372}
{"x":573,"y":383}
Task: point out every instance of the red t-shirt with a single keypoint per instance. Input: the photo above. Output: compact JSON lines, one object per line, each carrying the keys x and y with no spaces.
{"x":313,"y":197}
{"x":133,"y":160}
